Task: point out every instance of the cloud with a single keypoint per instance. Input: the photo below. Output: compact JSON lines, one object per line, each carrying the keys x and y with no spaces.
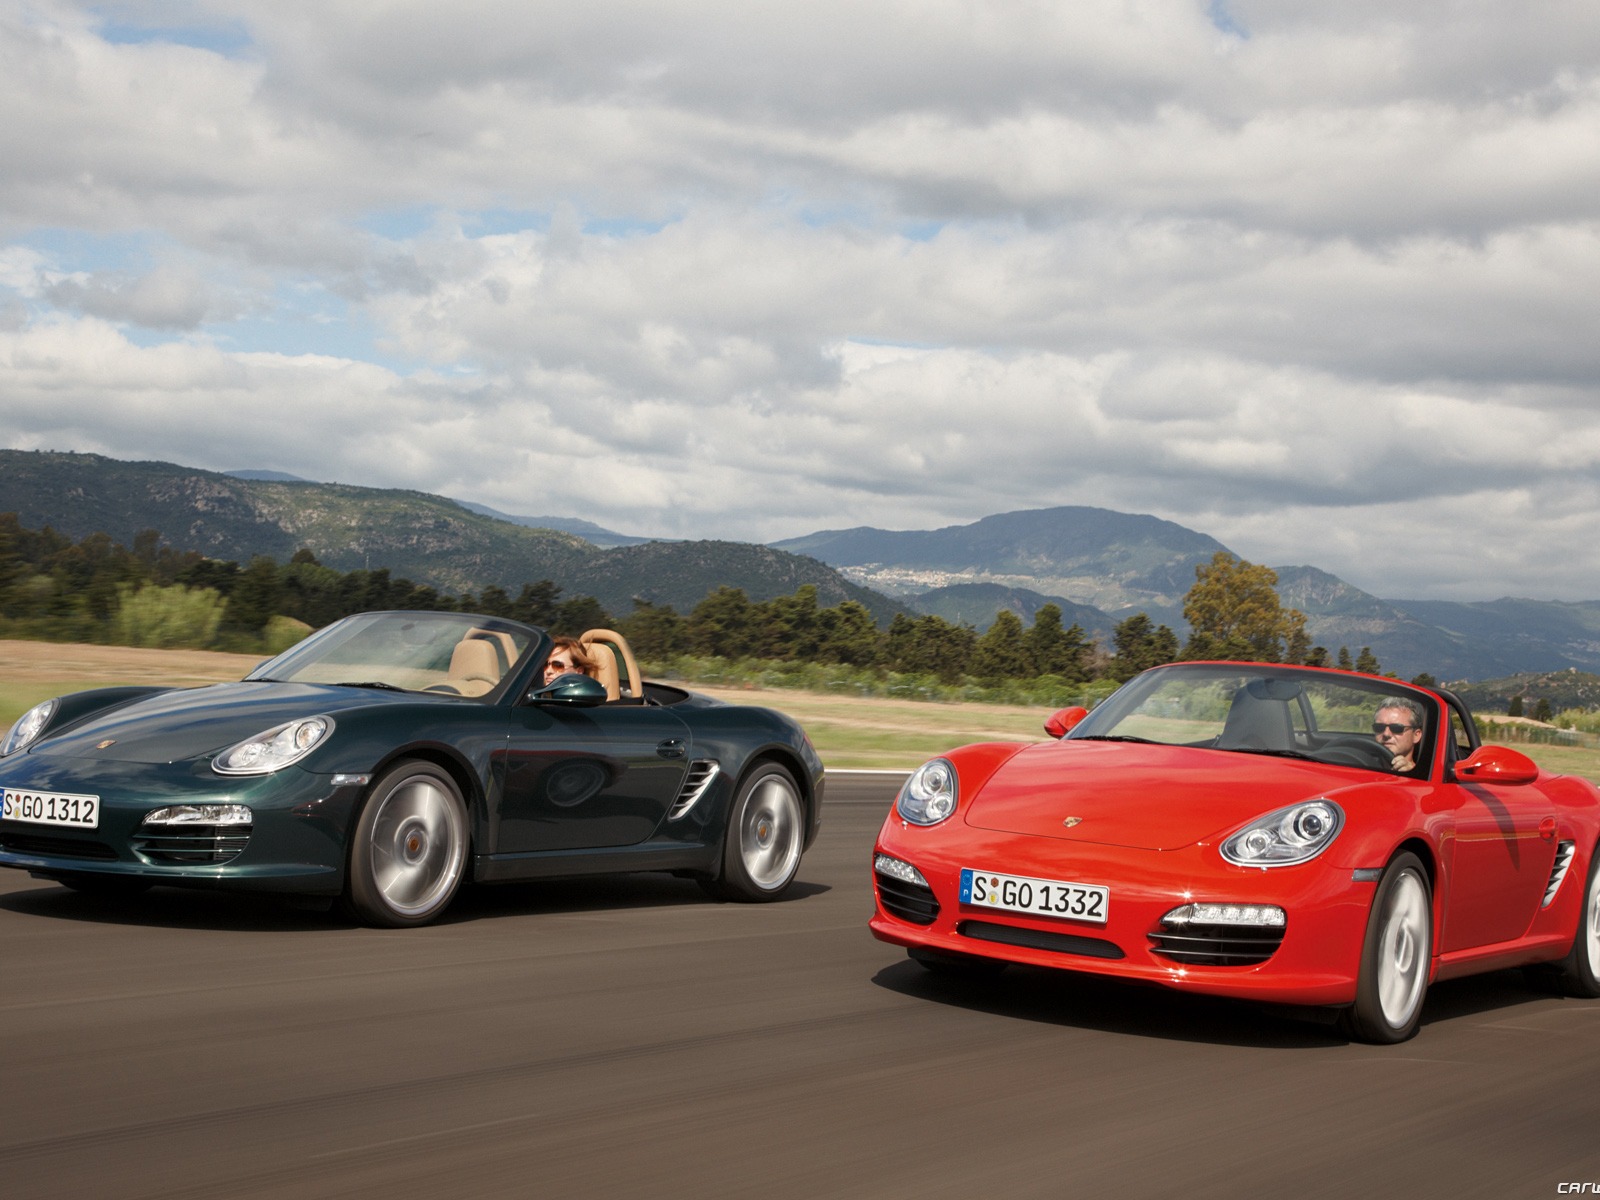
{"x":1317,"y":280}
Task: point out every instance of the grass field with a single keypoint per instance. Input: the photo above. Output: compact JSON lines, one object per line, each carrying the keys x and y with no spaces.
{"x":848,"y":731}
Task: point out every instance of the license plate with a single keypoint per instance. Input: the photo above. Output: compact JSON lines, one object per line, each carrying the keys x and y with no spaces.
{"x":1039,"y":897}
{"x":51,"y":808}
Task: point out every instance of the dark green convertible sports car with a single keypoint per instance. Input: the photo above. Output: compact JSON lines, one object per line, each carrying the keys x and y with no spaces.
{"x":391,"y":756}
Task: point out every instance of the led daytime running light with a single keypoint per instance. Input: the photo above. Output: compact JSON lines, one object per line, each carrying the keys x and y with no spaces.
{"x":896,"y":869}
{"x":200,"y":814}
{"x":1267,"y":916}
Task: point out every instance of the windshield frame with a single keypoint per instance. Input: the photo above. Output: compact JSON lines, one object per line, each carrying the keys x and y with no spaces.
{"x":1288,"y":684}
{"x":428,"y":631}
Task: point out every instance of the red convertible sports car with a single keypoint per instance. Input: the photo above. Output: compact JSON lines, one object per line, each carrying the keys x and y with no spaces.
{"x":1275,"y":833}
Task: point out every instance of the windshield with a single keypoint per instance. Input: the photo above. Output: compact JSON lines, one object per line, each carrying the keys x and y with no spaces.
{"x":447,"y":653}
{"x":1289,"y":711}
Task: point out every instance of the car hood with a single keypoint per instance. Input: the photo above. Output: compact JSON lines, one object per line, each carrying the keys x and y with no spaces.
{"x":198,"y":722}
{"x":1146,"y":797}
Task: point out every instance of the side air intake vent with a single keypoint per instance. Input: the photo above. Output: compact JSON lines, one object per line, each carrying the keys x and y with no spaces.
{"x":695,"y":785}
{"x":1558,"y":872}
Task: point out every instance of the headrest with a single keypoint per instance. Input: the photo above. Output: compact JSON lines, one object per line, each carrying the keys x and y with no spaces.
{"x":475,"y":659}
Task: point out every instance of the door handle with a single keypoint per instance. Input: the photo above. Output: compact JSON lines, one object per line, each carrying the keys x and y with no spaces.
{"x":671,"y":748}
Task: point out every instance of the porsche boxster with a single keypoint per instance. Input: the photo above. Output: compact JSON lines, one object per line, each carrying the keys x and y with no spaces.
{"x":1292,"y":835}
{"x":390,"y":757}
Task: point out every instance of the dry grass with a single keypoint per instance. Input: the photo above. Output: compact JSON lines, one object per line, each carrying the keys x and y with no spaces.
{"x":93,"y":666}
{"x":849,"y":731}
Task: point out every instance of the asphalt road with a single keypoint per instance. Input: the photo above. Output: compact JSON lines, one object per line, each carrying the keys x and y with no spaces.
{"x":630,"y":1038}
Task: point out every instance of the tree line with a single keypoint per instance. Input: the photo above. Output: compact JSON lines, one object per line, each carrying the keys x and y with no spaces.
{"x":150,"y":594}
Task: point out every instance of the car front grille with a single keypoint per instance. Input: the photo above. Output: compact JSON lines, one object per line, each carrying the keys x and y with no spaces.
{"x":912,"y":902}
{"x":56,"y":847}
{"x":210,"y":844}
{"x":1039,"y":939}
{"x":1217,"y":945}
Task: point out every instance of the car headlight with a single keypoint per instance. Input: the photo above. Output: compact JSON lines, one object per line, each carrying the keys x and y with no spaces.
{"x":28,"y":727}
{"x":930,"y":795}
{"x":275,"y":749}
{"x":1284,"y":838}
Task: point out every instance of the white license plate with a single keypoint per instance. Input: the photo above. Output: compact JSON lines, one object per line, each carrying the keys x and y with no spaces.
{"x":50,"y":808}
{"x":1039,"y":897}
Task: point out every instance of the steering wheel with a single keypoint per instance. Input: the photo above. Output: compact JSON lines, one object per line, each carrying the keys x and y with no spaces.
{"x":1359,"y":754}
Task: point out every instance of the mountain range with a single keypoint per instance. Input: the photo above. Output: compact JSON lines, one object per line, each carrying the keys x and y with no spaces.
{"x":427,"y":539}
{"x":1099,"y":566}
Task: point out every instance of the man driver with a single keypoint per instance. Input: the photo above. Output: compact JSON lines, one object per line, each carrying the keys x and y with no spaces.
{"x":1398,"y":729}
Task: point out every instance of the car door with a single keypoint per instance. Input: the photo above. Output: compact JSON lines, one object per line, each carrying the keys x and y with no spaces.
{"x":588,"y":778}
{"x":1503,"y":848}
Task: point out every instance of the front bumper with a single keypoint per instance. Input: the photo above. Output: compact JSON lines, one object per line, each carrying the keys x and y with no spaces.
{"x":1315,"y":963}
{"x":295,"y":841}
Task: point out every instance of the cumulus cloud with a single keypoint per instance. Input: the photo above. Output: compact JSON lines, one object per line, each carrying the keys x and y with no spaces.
{"x":1318,"y":280}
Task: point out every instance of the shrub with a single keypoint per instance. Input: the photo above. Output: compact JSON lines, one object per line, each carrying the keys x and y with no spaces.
{"x":166,"y":616}
{"x":281,"y":633}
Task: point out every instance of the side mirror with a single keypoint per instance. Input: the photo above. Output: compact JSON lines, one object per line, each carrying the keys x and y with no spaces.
{"x":1496,"y":764}
{"x":1062,"y":721}
{"x":571,"y":688}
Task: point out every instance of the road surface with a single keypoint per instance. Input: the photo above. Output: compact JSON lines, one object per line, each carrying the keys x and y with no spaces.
{"x":627,"y":1038}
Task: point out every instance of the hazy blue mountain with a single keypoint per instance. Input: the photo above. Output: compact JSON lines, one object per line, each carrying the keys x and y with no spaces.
{"x":1534,"y":635}
{"x":1110,"y":560}
{"x":976,"y":604}
{"x":1567,"y":688}
{"x":590,"y":532}
{"x":1099,"y":566}
{"x":587,"y":530}
{"x":427,"y":539}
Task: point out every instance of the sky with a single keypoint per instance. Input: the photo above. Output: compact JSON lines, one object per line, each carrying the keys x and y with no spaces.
{"x":1319,"y":280}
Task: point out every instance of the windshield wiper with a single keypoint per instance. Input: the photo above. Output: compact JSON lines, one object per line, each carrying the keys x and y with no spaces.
{"x":369,"y":683}
{"x":1117,"y":737}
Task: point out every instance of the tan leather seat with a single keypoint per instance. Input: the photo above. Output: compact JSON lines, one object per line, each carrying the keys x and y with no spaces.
{"x":503,"y":643}
{"x":605,"y":668}
{"x":617,"y":668}
{"x":474,"y":667}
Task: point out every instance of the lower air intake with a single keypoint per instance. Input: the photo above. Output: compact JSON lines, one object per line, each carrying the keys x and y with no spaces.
{"x":194,"y":844}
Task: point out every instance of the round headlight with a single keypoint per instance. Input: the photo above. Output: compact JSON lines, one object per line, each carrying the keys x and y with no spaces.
{"x":274,"y":749}
{"x":930,"y":795}
{"x":1286,"y":837}
{"x":28,"y":727}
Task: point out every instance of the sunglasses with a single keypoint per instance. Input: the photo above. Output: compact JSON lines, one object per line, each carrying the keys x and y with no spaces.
{"x":1380,"y":726}
{"x":553,"y":665}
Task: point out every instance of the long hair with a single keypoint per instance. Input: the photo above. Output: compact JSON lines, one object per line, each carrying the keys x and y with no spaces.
{"x":582,"y":660}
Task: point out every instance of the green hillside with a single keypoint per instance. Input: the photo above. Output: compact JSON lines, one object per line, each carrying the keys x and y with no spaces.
{"x":428,"y":539}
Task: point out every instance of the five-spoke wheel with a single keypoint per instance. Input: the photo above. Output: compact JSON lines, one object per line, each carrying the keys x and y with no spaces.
{"x":409,"y":848}
{"x":1395,"y":957}
{"x":765,"y":836}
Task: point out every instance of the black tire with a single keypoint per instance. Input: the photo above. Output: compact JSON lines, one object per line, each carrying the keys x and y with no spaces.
{"x":764,"y":838}
{"x":956,"y":966}
{"x":1578,"y":974}
{"x":408,"y":850}
{"x":1396,"y":957}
